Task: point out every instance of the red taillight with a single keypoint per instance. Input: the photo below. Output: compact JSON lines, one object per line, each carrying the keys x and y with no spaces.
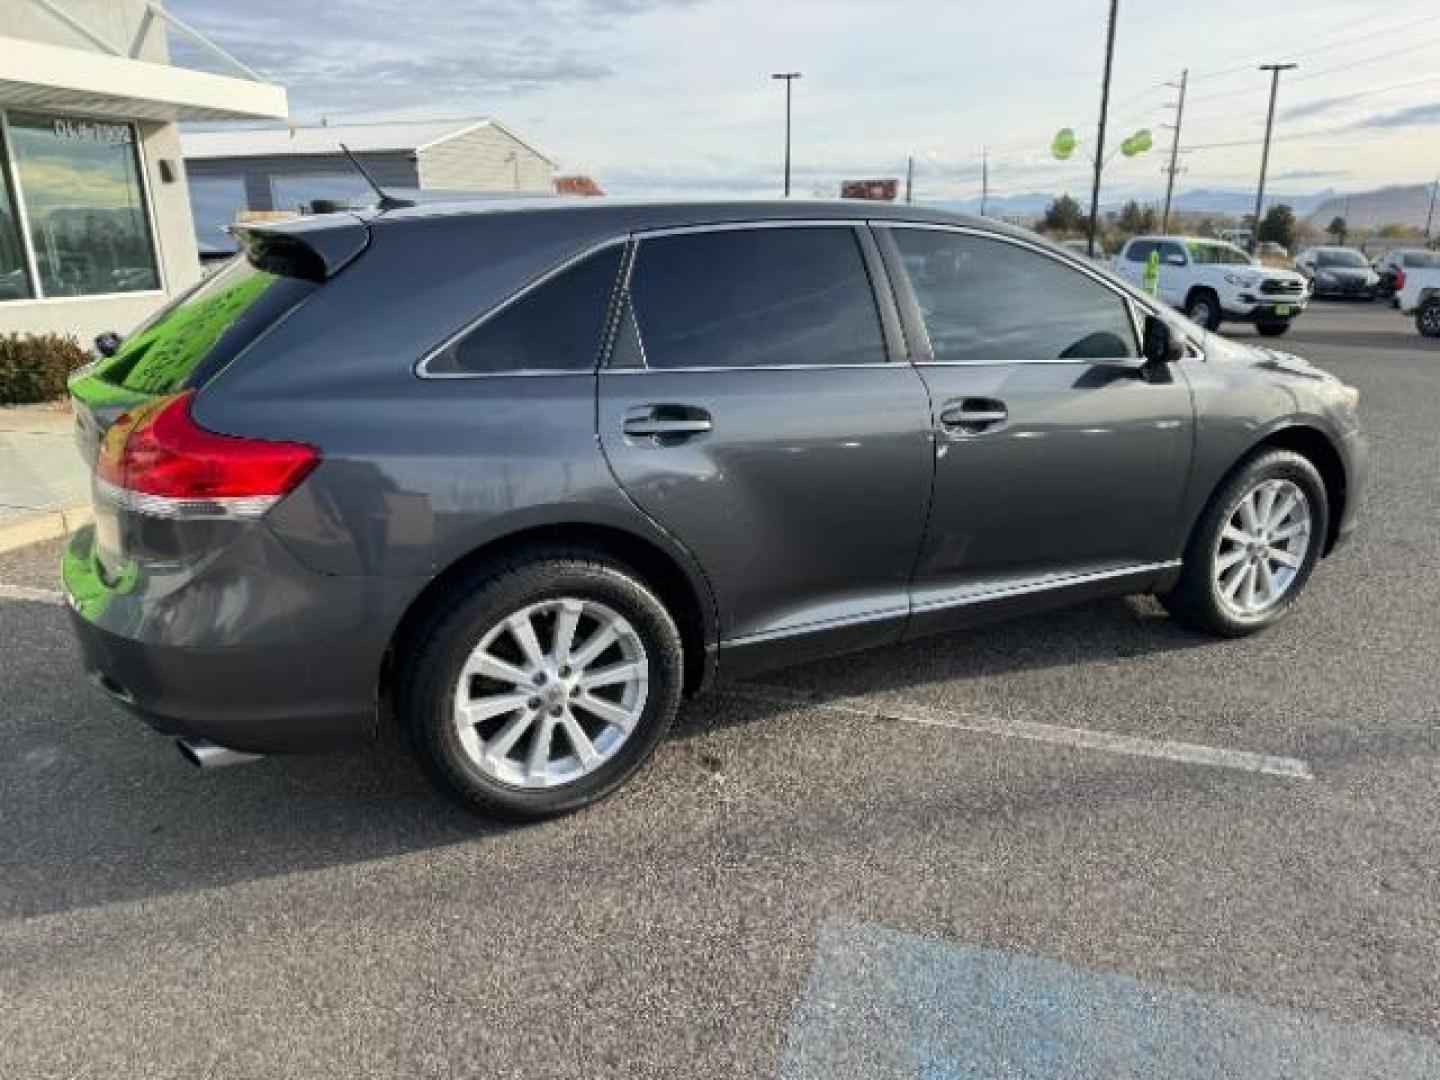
{"x":158,"y":459}
{"x":1399,"y":278}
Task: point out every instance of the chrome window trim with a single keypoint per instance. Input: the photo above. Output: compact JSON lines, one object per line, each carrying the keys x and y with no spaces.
{"x":422,"y":370}
{"x":886,"y":365}
{"x":1060,"y":257}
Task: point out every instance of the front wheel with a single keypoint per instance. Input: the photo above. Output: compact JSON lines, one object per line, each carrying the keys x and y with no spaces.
{"x":1427,"y":318}
{"x":1203,"y":307}
{"x":1273,"y":329}
{"x":1254,"y":547}
{"x":542,"y":687}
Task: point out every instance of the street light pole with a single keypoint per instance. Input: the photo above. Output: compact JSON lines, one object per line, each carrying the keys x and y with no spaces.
{"x":1100,"y":138}
{"x":1275,"y":70}
{"x":787,"y":77}
{"x":1174,"y":153}
{"x":1430,"y":214}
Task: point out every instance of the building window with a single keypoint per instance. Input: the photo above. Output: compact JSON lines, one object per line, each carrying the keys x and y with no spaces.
{"x":85,"y":205}
{"x":14,"y":275}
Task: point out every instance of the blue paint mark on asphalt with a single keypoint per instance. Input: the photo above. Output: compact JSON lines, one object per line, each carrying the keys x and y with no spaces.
{"x":883,"y":1004}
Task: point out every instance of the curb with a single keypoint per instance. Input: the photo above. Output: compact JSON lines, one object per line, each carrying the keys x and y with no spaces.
{"x":43,"y":525}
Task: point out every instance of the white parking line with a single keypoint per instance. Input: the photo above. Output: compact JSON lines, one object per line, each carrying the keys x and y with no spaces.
{"x":1081,"y":738}
{"x":37,"y":596}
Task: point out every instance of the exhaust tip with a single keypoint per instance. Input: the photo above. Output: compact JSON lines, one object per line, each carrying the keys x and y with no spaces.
{"x":204,"y":754}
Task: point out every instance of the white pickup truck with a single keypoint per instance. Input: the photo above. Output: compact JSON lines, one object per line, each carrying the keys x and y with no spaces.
{"x":1417,"y":292}
{"x":1214,"y":282}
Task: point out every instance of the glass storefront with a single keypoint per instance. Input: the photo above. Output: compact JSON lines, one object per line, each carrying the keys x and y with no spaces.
{"x":84,"y":202}
{"x":14,"y":275}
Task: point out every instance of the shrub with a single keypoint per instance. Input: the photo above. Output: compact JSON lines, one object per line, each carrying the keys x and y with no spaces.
{"x":34,"y":367}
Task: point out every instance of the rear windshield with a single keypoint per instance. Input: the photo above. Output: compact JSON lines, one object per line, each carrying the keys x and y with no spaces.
{"x":1419,"y":259}
{"x":192,"y":339}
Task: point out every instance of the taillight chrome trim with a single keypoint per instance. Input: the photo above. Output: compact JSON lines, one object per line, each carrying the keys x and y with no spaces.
{"x":244,"y":508}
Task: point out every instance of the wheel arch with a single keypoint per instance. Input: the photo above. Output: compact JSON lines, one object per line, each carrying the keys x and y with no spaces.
{"x":686,"y":598}
{"x":1318,"y":448}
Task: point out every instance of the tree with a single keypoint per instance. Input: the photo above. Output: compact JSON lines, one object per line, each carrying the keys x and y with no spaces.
{"x":1063,"y":216}
{"x":1278,"y":225}
{"x":1135,"y":219}
{"x":1337,"y":228}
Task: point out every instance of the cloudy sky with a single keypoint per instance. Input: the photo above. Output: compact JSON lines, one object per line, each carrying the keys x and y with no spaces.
{"x":666,"y":97}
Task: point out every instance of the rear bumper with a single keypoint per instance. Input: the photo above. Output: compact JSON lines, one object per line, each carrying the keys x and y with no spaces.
{"x":247,"y":648}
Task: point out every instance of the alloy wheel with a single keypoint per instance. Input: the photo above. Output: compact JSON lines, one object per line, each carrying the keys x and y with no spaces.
{"x":551,"y":693}
{"x":1262,"y":548}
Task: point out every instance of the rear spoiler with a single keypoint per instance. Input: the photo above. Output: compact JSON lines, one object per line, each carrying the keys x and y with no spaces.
{"x":313,"y":248}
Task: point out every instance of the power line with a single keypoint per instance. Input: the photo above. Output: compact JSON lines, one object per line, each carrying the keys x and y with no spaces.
{"x":1349,"y":40}
{"x":1330,"y":70}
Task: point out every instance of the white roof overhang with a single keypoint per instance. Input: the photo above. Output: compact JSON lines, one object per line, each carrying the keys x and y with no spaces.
{"x":53,"y":78}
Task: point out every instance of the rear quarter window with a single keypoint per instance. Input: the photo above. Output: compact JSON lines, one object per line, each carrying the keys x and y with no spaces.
{"x":555,"y":325}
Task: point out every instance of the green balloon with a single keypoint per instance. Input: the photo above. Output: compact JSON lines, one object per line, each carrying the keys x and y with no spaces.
{"x":1063,"y":145}
{"x":1142,"y":140}
{"x":1128,"y":148}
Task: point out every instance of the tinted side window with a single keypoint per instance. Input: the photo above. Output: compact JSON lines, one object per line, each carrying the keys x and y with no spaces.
{"x":1169,"y":249}
{"x":556,"y":326}
{"x":991,"y":301}
{"x":755,"y":297}
{"x":1140,"y":250}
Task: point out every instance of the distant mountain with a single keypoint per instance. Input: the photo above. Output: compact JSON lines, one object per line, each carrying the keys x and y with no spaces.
{"x":1401,"y":205}
{"x":1222,"y":202}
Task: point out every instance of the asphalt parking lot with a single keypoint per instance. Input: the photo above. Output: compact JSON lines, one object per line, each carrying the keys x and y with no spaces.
{"x":1087,"y":844}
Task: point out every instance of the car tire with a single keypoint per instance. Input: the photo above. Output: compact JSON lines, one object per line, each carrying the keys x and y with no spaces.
{"x":1427,"y":318}
{"x":1229,"y":544}
{"x":1203,"y":307}
{"x":492,"y":765}
{"x":1273,"y":329}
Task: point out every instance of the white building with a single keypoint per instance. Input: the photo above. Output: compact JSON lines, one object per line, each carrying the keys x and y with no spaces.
{"x":261,"y":170}
{"x":95,"y":223}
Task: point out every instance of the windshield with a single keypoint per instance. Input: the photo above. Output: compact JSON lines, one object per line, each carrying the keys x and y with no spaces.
{"x":1218,"y":255}
{"x":1340,"y":258}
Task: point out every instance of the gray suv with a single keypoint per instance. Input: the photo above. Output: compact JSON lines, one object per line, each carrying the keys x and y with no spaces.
{"x":523,"y":475}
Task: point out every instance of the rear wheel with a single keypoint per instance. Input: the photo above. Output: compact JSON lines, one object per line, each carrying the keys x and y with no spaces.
{"x":1427,"y":318}
{"x":1254,"y":547}
{"x":1273,"y":328}
{"x":543,"y":687}
{"x":1203,"y":307}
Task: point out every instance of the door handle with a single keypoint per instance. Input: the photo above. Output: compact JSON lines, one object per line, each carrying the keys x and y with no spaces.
{"x":974,"y":415}
{"x":667,"y":424}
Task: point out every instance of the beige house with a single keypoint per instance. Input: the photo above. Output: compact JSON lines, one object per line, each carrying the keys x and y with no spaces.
{"x":95,"y":222}
{"x":238,"y":171}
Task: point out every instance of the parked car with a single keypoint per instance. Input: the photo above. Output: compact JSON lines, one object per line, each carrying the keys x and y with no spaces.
{"x":1391,"y":265}
{"x":1338,"y":271}
{"x":1214,"y":282}
{"x":522,"y":475}
{"x":1419,"y":295}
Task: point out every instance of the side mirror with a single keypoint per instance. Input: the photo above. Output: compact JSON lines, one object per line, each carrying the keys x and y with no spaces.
{"x":1159,"y":345}
{"x":108,"y":343}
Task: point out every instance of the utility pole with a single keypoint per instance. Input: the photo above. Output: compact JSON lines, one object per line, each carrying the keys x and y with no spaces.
{"x":1430,"y":215}
{"x":788,"y":78}
{"x":984,"y":178}
{"x":1100,"y":138}
{"x":1275,"y":70}
{"x":909,"y":178}
{"x":1174,"y":153}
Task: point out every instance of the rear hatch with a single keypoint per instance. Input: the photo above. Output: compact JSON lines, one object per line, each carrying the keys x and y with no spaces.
{"x":173,"y":356}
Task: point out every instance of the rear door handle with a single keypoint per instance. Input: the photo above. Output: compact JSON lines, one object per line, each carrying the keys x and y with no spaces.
{"x":667,"y":424}
{"x":974,"y":415}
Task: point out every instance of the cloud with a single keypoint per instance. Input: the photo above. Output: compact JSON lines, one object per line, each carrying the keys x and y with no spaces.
{"x":1414,"y":116}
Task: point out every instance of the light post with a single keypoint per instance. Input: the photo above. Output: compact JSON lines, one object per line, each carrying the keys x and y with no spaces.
{"x":787,"y":77}
{"x":1275,"y":70}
